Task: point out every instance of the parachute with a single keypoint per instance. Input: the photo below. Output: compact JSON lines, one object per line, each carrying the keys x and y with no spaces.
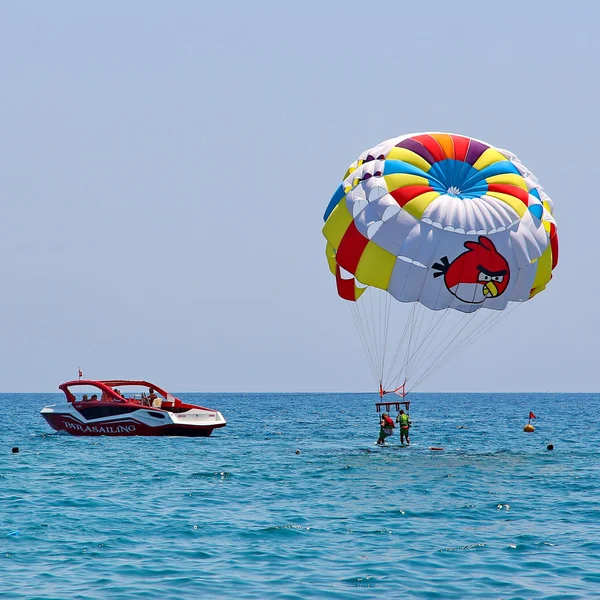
{"x":426,"y":230}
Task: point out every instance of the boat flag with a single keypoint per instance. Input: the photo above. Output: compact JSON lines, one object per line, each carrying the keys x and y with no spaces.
{"x":80,"y":374}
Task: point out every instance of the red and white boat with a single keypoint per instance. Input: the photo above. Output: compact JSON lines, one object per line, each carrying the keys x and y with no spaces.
{"x":118,"y":407}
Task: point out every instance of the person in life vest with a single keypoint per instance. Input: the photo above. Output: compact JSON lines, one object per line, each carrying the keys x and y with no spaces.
{"x":405,"y":423}
{"x":386,"y":428}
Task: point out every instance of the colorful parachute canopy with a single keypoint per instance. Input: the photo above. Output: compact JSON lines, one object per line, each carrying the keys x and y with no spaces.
{"x":444,"y":220}
{"x":440,"y":221}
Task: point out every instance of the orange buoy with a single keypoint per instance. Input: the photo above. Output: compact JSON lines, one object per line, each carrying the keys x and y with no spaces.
{"x":529,"y":427}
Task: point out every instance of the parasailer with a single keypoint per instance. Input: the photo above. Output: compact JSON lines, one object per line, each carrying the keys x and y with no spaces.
{"x":435,"y":226}
{"x":404,"y":420}
{"x":386,"y":428}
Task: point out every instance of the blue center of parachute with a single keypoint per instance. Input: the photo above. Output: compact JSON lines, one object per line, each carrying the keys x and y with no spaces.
{"x":451,"y":177}
{"x":456,"y":178}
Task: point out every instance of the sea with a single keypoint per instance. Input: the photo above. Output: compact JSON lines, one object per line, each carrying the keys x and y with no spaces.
{"x":294,"y":499}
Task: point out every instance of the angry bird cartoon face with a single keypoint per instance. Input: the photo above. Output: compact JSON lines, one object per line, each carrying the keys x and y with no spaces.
{"x":479,"y":273}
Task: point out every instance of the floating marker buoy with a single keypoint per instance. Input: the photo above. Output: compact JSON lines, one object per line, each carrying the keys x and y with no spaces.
{"x":15,"y":450}
{"x":529,"y":427}
{"x":434,"y":448}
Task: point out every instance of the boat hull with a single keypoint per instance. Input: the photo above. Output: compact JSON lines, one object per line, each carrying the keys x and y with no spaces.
{"x":136,"y":423}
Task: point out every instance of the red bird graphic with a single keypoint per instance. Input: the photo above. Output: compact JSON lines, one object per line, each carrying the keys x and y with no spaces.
{"x":479,"y":273}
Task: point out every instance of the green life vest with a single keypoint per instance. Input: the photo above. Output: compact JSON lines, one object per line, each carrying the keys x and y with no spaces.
{"x":404,"y":420}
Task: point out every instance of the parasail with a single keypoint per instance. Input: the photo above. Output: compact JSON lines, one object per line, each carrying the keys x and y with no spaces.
{"x":437,"y":226}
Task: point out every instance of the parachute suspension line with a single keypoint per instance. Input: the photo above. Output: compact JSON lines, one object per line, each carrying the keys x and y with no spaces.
{"x":399,"y":346}
{"x":479,"y":329}
{"x":487,"y":325}
{"x":408,"y":361}
{"x":379,"y":334}
{"x":409,"y":326}
{"x":453,"y":334}
{"x":412,"y":359}
{"x":415,"y":357}
{"x":380,"y":317}
{"x":424,"y":351}
{"x":387,"y":300}
{"x":441,"y":350}
{"x":381,"y":314}
{"x":480,"y":326}
{"x":431,"y":365}
{"x":360,"y":326}
{"x":413,"y":320}
{"x":377,"y":318}
{"x":436,"y":320}
{"x":503,"y":314}
{"x":447,"y":353}
{"x":370,"y":321}
{"x":371,"y":317}
{"x":433,"y":331}
{"x":409,"y":329}
{"x":414,"y":334}
{"x":364,"y":327}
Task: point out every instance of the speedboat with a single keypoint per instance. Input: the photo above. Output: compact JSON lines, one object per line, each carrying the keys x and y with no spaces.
{"x":118,"y":407}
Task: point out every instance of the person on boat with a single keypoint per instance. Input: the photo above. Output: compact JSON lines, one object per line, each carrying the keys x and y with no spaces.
{"x":121,"y":397}
{"x":386,"y":428}
{"x":94,"y":398}
{"x":405,"y":423}
{"x":84,"y":398}
{"x":152,"y":395}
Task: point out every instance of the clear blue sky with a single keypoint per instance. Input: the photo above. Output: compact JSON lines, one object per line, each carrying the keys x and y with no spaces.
{"x":166,"y":165}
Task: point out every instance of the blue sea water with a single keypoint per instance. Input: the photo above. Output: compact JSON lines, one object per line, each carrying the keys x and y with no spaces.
{"x":242,"y":515}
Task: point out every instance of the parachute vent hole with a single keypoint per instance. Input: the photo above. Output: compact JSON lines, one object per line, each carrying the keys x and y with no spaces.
{"x":345,"y":274}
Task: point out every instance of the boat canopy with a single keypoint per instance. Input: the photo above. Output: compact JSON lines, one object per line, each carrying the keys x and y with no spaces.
{"x":107,"y":385}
